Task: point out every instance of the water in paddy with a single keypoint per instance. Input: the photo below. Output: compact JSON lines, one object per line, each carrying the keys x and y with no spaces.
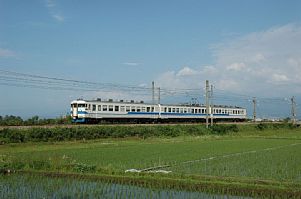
{"x":29,"y":186}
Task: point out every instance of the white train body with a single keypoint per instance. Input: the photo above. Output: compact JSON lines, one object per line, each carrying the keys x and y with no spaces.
{"x":83,"y":111}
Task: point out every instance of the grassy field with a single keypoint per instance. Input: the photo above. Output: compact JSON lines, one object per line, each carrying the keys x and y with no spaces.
{"x":270,"y":155}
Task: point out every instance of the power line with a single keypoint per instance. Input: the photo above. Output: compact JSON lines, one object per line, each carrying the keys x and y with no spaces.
{"x":24,"y":80}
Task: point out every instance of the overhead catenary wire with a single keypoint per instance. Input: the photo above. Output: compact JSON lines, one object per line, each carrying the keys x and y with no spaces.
{"x":24,"y":80}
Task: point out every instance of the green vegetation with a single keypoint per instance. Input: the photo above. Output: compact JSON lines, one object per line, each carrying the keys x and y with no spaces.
{"x":228,"y":159}
{"x":11,"y":120}
{"x":41,"y":134}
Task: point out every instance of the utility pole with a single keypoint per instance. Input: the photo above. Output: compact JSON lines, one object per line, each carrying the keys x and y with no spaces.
{"x":159,"y":93}
{"x":207,"y":103}
{"x":211,"y":97}
{"x":293,"y":110}
{"x":153,"y":92}
{"x":254,"y":109}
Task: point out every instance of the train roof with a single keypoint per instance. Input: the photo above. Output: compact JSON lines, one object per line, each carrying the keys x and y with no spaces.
{"x":142,"y":102}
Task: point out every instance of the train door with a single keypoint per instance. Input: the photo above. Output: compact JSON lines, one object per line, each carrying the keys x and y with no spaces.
{"x":74,"y":110}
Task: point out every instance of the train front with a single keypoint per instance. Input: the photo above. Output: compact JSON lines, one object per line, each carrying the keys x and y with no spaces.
{"x":78,"y":111}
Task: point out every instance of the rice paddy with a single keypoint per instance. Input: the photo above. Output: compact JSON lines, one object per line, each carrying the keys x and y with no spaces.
{"x":36,"y":187}
{"x":265,"y":162}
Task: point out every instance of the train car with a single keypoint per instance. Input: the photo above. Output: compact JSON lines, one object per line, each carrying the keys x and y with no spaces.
{"x":96,"y":111}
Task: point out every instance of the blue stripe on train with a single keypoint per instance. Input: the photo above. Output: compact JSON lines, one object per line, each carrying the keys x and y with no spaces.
{"x":82,"y":112}
{"x":79,"y":120}
{"x":174,"y":114}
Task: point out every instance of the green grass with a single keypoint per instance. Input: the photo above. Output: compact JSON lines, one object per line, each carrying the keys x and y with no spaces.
{"x":119,"y":155}
{"x":282,"y":164}
{"x":271,"y":155}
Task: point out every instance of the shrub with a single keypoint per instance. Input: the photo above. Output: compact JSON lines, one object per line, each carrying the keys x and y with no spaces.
{"x":223,"y":129}
{"x":83,"y":168}
{"x":261,"y":126}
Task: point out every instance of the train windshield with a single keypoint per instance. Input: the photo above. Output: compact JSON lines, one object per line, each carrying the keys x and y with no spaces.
{"x":81,"y":105}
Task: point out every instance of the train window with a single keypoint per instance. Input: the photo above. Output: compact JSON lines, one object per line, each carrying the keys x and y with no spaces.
{"x":203,"y":111}
{"x":110,"y":107}
{"x":181,"y":110}
{"x":105,"y":107}
{"x":133,"y":109}
{"x":192,"y":110}
{"x":138,"y":109}
{"x":116,"y":108}
{"x":153,"y":109}
{"x":173,"y":110}
{"x":169,"y":110}
{"x":177,"y":110}
{"x":99,"y":107}
{"x":89,"y":107}
{"x":122,"y":108}
{"x":148,"y":109}
{"x":165,"y":109}
{"x":128,"y":108}
{"x":143,"y":108}
{"x":185,"y":110}
{"x":93,"y":107}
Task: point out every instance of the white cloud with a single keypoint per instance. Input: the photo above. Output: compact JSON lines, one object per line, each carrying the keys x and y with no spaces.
{"x":58,"y":17}
{"x":186,"y":71}
{"x":186,"y":77}
{"x":53,"y":11}
{"x":236,"y":67}
{"x":260,"y":63}
{"x":6,"y":53}
{"x":131,"y":63}
{"x":279,"y":78}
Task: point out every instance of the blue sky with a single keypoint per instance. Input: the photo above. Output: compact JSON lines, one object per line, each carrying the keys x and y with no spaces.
{"x":245,"y":47}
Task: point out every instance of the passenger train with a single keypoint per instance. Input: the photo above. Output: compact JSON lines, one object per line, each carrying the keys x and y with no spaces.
{"x":96,"y":111}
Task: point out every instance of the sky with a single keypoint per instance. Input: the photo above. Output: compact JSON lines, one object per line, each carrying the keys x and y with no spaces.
{"x":244,"y":48}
